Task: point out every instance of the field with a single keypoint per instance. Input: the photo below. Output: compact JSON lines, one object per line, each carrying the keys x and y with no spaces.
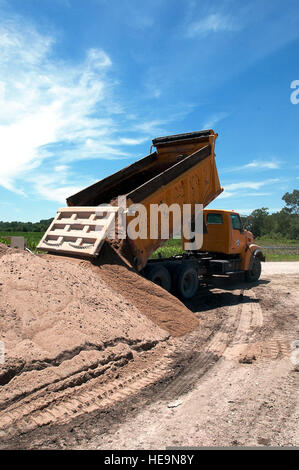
{"x":32,"y":238}
{"x":275,"y":250}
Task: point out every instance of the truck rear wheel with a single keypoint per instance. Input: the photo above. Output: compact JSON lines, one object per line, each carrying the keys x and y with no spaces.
{"x":186,"y":281}
{"x":253,"y":274}
{"x":159,"y":275}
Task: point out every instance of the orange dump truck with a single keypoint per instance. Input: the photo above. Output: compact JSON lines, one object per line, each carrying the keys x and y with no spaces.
{"x":182,"y":171}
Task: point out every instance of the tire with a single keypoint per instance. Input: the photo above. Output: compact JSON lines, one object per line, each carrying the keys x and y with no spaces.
{"x":159,"y":275}
{"x":186,"y":281}
{"x":253,"y":274}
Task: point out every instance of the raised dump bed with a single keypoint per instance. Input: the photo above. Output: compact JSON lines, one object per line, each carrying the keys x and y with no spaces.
{"x":182,"y":170}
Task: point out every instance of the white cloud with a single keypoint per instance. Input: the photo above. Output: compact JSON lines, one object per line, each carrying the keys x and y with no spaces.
{"x":245,"y":211}
{"x":128,"y":141}
{"x":250,"y":210}
{"x":257,"y":165}
{"x":154,"y":83}
{"x":50,"y":109}
{"x":61,"y":168}
{"x":151,"y":127}
{"x":262,"y":164}
{"x":236,"y":190}
{"x":226,"y":194}
{"x":157,"y":93}
{"x":214,"y":119}
{"x":56,"y":194}
{"x":98,"y":59}
{"x":256,"y":194}
{"x":54,"y":113}
{"x":155,"y":126}
{"x":56,"y":187}
{"x":249,"y":184}
{"x":213,"y":23}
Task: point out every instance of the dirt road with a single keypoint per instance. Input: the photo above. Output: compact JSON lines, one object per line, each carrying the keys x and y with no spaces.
{"x":240,"y":386}
{"x":231,"y":382}
{"x":283,"y":267}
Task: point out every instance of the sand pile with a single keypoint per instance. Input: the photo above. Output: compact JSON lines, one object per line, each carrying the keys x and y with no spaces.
{"x":3,"y":249}
{"x":69,"y":329}
{"x":158,"y":305}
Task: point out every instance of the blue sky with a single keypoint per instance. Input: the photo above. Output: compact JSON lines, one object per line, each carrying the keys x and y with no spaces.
{"x":85,"y":85}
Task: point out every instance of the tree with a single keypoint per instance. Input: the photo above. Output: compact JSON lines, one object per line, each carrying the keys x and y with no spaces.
{"x":257,"y":221}
{"x":25,"y":226}
{"x":292,"y":201}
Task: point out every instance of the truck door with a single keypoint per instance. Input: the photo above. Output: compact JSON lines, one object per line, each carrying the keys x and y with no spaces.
{"x":238,"y":238}
{"x":215,"y":240}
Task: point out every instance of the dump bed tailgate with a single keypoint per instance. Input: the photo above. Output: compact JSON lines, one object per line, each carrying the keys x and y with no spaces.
{"x":78,"y":230}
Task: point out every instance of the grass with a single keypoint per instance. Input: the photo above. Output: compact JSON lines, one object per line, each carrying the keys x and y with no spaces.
{"x":266,"y":241}
{"x":32,"y":238}
{"x":290,"y":252}
{"x":281,"y":256}
{"x":174,"y":247}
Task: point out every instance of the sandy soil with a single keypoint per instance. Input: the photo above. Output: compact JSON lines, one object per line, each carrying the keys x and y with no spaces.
{"x":232,"y":380}
{"x":281,"y":267}
{"x":239,"y":389}
{"x":71,"y":339}
{"x":236,"y":385}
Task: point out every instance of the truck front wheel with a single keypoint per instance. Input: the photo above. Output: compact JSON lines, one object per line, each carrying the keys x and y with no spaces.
{"x":186,"y":281}
{"x":159,"y":275}
{"x":253,"y":274}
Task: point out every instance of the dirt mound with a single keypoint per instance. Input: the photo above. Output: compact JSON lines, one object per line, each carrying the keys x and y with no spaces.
{"x":153,"y":301}
{"x":3,"y":249}
{"x":75,"y":333}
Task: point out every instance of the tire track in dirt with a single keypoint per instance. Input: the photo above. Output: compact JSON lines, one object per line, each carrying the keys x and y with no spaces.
{"x":244,"y":317}
{"x":60,"y":404}
{"x":244,"y":348}
{"x":251,"y":319}
{"x":60,"y":407}
{"x":200,"y":358}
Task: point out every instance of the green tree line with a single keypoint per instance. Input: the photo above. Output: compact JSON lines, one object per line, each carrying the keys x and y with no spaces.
{"x":15,"y":226}
{"x":282,"y":224}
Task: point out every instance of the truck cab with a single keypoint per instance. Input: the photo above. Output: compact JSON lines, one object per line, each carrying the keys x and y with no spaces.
{"x":225,"y":239}
{"x":227,"y":250}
